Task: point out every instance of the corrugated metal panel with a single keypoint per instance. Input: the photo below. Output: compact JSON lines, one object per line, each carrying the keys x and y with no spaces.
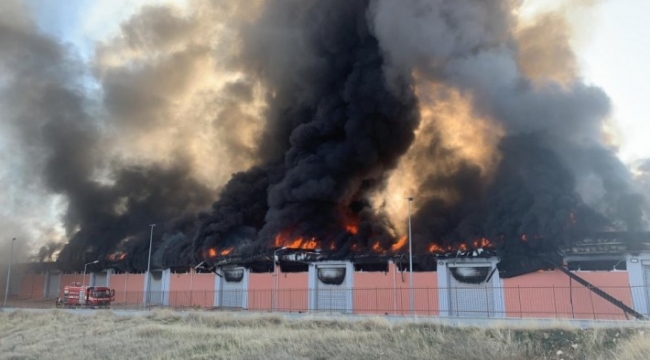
{"x":232,"y":288}
{"x":156,"y":295}
{"x":471,"y":300}
{"x":331,"y":291}
{"x":646,"y":279}
{"x":100,"y":279}
{"x":52,"y":285}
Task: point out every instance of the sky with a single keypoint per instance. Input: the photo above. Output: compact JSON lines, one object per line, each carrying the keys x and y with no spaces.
{"x":611,"y":40}
{"x":617,"y":58}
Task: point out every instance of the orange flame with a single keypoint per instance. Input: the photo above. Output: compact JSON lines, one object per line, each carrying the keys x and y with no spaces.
{"x":434,"y":248}
{"x":399,"y":244}
{"x":226,"y":251}
{"x":298,"y":243}
{"x":277,"y":242}
{"x":352,"y":229}
{"x":117,"y":256}
{"x":481,"y":243}
{"x":212,"y":252}
{"x":476,"y":244}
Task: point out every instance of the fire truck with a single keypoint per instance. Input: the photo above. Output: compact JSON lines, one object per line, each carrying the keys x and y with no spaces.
{"x":75,"y":295}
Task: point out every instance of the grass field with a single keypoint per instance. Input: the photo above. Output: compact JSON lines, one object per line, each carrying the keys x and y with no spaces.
{"x":200,"y":335}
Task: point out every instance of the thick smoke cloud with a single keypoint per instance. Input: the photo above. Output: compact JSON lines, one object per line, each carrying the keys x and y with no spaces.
{"x":472,"y":47}
{"x":342,"y":130}
{"x":50,"y":110}
{"x":329,"y":114}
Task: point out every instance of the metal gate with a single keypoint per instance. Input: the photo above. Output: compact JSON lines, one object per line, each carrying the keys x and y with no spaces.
{"x":470,"y":295}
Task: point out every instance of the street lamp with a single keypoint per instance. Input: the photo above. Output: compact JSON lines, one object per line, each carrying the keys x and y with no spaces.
{"x":146,"y":297}
{"x":83,"y":280}
{"x":276,"y":265}
{"x":11,"y":258}
{"x":410,"y":199}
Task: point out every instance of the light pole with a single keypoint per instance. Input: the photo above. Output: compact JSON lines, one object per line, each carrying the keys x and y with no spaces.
{"x":410,"y":199}
{"x":83,"y":279}
{"x":276,"y":265}
{"x":146,"y":296}
{"x":11,"y":258}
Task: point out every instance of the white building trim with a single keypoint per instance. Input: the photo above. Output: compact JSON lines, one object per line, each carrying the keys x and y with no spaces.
{"x":444,"y":283}
{"x":219,"y":280}
{"x":347,"y":286}
{"x":638,"y":281}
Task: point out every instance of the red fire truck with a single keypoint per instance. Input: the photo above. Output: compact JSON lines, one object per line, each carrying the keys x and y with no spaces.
{"x":75,"y":295}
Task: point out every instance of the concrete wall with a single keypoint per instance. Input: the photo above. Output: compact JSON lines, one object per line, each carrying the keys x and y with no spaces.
{"x":331,"y":297}
{"x":231,"y":293}
{"x":15,"y":281}
{"x":52,"y":284}
{"x":547,"y":294}
{"x":128,"y":288}
{"x":101,"y":278}
{"x":192,"y":289}
{"x":389,"y":292}
{"x":488,"y":296}
{"x":638,"y":282}
{"x":157,"y":285}
{"x":260,"y":287}
{"x":552,"y":294}
{"x":374,"y":292}
{"x":32,"y":286}
{"x":292,"y":291}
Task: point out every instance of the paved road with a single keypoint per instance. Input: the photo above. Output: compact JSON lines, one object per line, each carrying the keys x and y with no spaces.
{"x":449,"y":321}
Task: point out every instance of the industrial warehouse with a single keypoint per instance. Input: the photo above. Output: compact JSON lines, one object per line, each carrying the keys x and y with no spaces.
{"x":599,"y":279}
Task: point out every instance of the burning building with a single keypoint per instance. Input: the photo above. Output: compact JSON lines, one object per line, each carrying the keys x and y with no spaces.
{"x":357,"y":106}
{"x":355,"y":121}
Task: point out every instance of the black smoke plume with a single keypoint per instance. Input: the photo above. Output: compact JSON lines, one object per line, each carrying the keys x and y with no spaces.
{"x":109,"y":202}
{"x":312,"y":105}
{"x":342,"y":133}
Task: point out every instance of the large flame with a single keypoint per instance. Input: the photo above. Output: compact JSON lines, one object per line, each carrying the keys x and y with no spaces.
{"x":378,"y":248}
{"x":352,"y":228}
{"x":212,"y":253}
{"x":399,"y":244}
{"x":481,"y":243}
{"x":285,"y":240}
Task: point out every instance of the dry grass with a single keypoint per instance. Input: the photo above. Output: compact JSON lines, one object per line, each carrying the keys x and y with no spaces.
{"x":198,"y":335}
